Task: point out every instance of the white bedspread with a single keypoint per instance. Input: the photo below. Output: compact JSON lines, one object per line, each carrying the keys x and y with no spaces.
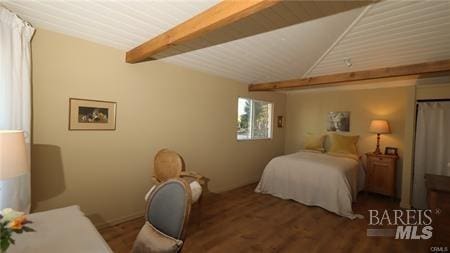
{"x":60,"y":230}
{"x":314,"y":179}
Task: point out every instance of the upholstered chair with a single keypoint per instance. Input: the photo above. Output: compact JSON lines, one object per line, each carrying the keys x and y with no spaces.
{"x":169,"y":164}
{"x":167,"y":215}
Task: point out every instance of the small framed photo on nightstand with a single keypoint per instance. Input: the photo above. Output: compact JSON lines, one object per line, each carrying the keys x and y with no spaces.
{"x":391,"y":151}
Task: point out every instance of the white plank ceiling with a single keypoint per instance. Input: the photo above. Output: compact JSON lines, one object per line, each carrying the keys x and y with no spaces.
{"x":285,"y":53}
{"x":387,"y":33}
{"x":119,"y":24}
{"x":391,"y":33}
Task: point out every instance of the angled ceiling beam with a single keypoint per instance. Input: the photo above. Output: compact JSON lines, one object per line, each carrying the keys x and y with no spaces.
{"x":341,"y":78}
{"x":222,"y":14}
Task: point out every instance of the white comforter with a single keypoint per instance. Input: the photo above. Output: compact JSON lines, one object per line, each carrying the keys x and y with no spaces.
{"x":314,"y":179}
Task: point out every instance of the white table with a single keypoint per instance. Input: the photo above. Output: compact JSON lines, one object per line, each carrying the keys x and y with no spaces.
{"x":60,"y":230}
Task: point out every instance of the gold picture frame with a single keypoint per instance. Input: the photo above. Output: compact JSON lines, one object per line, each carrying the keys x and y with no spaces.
{"x":88,"y":114}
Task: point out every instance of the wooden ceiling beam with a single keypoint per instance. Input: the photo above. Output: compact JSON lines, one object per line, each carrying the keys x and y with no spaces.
{"x":222,"y":14}
{"x":405,"y":70}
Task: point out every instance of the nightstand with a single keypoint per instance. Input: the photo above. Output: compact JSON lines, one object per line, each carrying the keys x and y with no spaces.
{"x":381,"y":171}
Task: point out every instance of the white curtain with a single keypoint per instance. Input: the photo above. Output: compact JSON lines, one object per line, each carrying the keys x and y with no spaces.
{"x":15,"y":98}
{"x":432,"y":146}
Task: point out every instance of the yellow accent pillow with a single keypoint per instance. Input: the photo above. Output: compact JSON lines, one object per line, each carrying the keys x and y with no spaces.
{"x":344,"y":144}
{"x":314,"y":142}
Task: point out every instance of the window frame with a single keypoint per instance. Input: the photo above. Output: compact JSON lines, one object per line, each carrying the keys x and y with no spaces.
{"x":271,"y":119}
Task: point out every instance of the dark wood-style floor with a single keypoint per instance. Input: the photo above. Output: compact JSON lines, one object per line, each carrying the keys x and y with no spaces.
{"x":244,"y":221}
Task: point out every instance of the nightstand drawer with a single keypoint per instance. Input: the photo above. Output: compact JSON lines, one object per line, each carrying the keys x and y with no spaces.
{"x":380,"y":179}
{"x":381,"y":161}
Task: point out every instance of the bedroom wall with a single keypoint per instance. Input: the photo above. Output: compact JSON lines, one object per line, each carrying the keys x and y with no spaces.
{"x":434,"y":88}
{"x":306,"y":112}
{"x":393,"y":99}
{"x":159,"y":106}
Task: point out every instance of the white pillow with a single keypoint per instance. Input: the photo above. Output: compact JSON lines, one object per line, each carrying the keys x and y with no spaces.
{"x":196,"y":190}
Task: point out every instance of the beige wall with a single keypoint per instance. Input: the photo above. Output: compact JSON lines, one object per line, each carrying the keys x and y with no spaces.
{"x":434,"y":88}
{"x":394,"y":100}
{"x":426,"y":87}
{"x":307,"y":113}
{"x":159,"y":105}
{"x":437,"y":87}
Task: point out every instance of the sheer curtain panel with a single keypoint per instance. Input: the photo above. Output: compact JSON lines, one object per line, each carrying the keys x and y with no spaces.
{"x":15,"y":98}
{"x":432,"y":153}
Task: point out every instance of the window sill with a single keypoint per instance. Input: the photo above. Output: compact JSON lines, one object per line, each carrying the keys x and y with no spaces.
{"x":259,"y":139}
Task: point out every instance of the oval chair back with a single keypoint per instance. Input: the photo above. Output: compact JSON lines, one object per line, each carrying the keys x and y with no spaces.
{"x":169,"y":206}
{"x":167,"y":164}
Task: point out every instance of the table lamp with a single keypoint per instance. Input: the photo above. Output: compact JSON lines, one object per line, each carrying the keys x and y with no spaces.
{"x":13,"y":166}
{"x":379,"y":127}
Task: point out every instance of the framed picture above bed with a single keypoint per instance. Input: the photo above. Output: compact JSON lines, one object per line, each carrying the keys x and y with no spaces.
{"x":86,"y":114}
{"x":338,"y":122}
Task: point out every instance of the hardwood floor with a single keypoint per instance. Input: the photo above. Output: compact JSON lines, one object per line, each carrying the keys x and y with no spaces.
{"x":244,"y":221}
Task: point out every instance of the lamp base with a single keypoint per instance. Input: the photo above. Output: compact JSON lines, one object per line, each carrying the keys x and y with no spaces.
{"x":377,"y":150}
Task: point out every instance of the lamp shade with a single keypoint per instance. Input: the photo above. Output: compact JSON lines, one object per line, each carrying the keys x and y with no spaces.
{"x":13,"y":155}
{"x":379,"y":126}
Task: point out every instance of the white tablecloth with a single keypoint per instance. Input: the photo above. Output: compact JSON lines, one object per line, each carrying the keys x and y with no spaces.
{"x":60,"y":230}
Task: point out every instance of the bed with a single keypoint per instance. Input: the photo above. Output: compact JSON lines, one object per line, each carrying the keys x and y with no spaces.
{"x":60,"y":230}
{"x":315,"y":179}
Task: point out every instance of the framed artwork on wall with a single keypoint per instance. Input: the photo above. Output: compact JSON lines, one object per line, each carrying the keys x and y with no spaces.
{"x":338,"y":122}
{"x":86,"y":114}
{"x":280,"y":121}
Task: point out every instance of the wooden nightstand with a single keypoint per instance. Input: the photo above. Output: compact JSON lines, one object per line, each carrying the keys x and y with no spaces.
{"x":381,"y":171}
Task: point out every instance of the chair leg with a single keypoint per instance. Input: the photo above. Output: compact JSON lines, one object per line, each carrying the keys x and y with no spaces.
{"x":199,"y":211}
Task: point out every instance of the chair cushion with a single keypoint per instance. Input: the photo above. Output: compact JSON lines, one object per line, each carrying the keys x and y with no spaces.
{"x":196,"y":190}
{"x":167,"y":207}
{"x":151,"y":240}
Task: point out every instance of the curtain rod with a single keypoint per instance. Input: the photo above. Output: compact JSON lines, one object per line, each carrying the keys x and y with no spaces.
{"x":433,"y":100}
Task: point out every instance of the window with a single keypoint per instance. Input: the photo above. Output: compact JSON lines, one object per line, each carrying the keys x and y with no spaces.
{"x":254,"y":119}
